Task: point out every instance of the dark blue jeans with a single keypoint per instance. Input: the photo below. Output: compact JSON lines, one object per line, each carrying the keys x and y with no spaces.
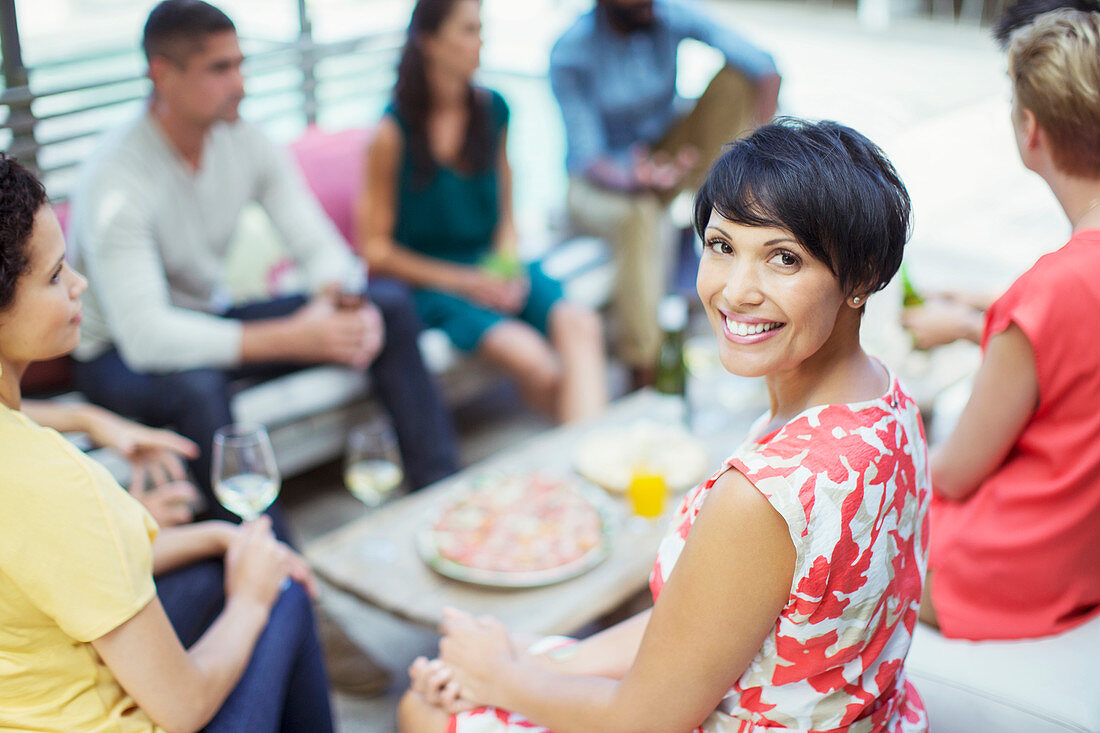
{"x":284,"y":688}
{"x":197,"y":402}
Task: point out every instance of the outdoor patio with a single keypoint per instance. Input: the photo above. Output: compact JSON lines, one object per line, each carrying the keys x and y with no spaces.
{"x":932,"y":93}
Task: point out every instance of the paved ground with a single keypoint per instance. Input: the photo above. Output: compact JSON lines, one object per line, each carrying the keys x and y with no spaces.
{"x":932,"y":94}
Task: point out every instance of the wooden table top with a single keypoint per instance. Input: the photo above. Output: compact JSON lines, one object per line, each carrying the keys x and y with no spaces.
{"x":375,"y":557}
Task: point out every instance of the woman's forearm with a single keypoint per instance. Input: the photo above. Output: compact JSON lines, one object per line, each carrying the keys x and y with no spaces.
{"x":949,"y":481}
{"x":563,"y":703}
{"x":183,"y":545}
{"x":394,"y":260}
{"x":223,"y":652}
{"x":586,"y":693}
{"x":571,"y":704}
{"x":181,"y":690}
{"x":1002,"y":402}
{"x":609,"y":653}
{"x":64,"y":417}
{"x":505,"y":239}
{"x":577,"y":687}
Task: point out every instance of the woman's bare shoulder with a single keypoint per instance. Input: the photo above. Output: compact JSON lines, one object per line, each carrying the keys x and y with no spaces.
{"x":387,"y":140}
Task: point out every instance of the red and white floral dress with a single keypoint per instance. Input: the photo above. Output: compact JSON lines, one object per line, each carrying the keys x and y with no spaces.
{"x":852,"y":483}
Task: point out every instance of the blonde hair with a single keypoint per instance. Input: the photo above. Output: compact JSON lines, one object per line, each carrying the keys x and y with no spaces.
{"x":1054,"y":64}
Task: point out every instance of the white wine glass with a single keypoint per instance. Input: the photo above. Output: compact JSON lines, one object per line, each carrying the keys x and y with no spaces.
{"x":246,"y":479}
{"x":373,"y":474}
{"x":372,"y":464}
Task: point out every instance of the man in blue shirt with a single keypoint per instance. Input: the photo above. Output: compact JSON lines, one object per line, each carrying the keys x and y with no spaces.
{"x":633,"y":144}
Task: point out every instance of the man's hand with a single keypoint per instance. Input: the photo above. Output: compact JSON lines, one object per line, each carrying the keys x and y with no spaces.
{"x":327,"y":334}
{"x":376,"y":330}
{"x":645,"y":171}
{"x":660,"y":172}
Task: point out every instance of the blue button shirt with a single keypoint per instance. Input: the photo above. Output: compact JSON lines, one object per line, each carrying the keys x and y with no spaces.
{"x":617,"y":90}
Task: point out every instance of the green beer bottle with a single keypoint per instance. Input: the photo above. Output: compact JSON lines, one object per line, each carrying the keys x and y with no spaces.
{"x":671,"y":378}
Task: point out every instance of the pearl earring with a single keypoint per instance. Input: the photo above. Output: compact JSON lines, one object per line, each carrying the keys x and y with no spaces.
{"x":855,"y":300}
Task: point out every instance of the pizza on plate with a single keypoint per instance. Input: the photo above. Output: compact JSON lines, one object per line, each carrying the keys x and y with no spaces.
{"x":519,"y":524}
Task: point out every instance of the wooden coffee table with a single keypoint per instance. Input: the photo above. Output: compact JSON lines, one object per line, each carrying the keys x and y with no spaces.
{"x":375,"y":558}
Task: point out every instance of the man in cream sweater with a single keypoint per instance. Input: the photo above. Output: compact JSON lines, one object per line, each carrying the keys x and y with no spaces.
{"x":153,"y":215}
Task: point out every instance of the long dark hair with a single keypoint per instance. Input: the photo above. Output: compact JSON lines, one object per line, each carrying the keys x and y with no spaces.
{"x":413,"y":101}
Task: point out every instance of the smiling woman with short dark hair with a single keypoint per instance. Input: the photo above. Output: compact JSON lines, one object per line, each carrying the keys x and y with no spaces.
{"x":824,"y":183}
{"x":786,"y":593}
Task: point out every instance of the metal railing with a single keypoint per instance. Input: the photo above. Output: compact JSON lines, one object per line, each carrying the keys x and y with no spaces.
{"x":55,"y":110}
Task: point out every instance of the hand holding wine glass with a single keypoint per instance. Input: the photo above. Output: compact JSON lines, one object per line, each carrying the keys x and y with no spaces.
{"x":256,"y":564}
{"x":246,"y":479}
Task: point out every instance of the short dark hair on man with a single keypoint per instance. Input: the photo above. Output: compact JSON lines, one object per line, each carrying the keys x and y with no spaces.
{"x":176,"y":28}
{"x":826,"y":184}
{"x":1023,"y":12}
{"x":21,"y":196}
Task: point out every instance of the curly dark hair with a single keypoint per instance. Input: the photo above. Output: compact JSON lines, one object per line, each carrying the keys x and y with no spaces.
{"x":21,"y":196}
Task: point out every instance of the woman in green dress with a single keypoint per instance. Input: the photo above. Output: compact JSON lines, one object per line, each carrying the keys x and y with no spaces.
{"x":436,"y":212}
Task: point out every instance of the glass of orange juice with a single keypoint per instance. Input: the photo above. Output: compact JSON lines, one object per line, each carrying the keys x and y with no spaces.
{"x":647,"y":492}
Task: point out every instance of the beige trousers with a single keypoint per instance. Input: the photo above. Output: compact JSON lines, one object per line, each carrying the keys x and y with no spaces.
{"x":636,"y":224}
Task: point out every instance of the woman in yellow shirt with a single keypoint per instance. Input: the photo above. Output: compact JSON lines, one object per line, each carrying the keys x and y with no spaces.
{"x":85,"y":642}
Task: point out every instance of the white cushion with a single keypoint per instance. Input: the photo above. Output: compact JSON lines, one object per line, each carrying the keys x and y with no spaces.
{"x":585,"y":268}
{"x":438,"y":352}
{"x":299,"y":394}
{"x":1026,"y":686}
{"x":574,"y":256}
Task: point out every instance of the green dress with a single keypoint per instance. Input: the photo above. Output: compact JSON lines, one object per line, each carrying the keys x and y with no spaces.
{"x":452,"y":216}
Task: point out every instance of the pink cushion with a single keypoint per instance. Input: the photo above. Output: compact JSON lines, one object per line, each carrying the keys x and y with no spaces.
{"x":61,"y":211}
{"x":332,"y":164}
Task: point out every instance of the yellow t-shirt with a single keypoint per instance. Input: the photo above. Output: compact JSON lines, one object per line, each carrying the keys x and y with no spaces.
{"x":76,"y":562}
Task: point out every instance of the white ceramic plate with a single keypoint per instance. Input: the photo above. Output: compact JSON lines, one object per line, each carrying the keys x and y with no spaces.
{"x":428,"y":548}
{"x":608,"y":457}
